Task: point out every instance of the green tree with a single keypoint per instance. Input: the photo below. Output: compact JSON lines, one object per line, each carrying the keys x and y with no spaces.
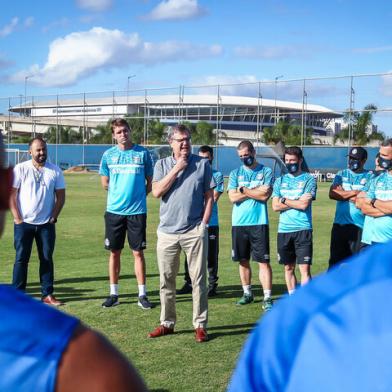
{"x":286,"y":132}
{"x":360,"y":123}
{"x":63,"y":135}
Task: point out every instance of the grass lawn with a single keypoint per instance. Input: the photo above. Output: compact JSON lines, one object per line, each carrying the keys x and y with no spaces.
{"x":175,"y":362}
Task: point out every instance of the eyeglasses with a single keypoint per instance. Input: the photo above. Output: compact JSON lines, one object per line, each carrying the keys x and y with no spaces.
{"x":184,"y":139}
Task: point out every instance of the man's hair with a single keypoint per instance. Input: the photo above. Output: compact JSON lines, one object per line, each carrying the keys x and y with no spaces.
{"x":181,"y":128}
{"x":119,"y":122}
{"x":387,"y":143}
{"x":294,"y":150}
{"x":205,"y":149}
{"x":37,"y":138}
{"x":246,"y":144}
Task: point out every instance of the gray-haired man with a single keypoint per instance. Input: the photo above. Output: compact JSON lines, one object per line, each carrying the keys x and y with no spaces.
{"x":185,"y":185}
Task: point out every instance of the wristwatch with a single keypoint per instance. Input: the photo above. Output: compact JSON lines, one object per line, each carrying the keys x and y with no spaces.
{"x":242,"y":189}
{"x":283,"y":200}
{"x":52,"y":220}
{"x":372,"y":202}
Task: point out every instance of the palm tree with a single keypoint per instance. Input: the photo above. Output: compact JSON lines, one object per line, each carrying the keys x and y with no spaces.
{"x":360,"y":122}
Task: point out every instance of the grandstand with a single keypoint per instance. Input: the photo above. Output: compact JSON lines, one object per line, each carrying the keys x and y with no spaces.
{"x":238,"y":117}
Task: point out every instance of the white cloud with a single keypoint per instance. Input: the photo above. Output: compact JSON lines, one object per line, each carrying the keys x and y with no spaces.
{"x":10,"y":27}
{"x":59,"y":23}
{"x":386,"y":86}
{"x":176,"y":10}
{"x":82,"y":54}
{"x":273,"y":52}
{"x":29,"y":21}
{"x":94,"y":5}
{"x":379,"y":49}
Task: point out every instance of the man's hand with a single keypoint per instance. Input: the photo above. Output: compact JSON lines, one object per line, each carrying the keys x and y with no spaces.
{"x":181,"y":163}
{"x":18,"y":221}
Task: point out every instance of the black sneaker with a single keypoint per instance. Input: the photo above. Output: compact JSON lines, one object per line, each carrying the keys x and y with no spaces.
{"x":212,"y":292}
{"x":144,"y":303}
{"x":112,"y":300}
{"x":186,"y":289}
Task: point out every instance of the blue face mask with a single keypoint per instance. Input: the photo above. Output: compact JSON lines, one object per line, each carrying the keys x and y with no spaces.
{"x":248,"y":161}
{"x":386,"y":164}
{"x":292,"y":167}
{"x":354,"y":164}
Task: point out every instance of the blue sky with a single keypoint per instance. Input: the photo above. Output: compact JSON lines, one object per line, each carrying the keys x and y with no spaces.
{"x":66,"y":46}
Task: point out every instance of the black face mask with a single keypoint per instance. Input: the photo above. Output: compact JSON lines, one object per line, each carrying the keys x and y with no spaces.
{"x":292,"y":167}
{"x":354,"y":164}
{"x":386,"y":164}
{"x":248,"y":161}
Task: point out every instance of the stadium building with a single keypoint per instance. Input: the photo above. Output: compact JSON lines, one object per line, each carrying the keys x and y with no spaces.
{"x":238,"y":117}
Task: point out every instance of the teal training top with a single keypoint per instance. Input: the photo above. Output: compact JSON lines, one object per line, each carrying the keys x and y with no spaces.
{"x":381,"y":188}
{"x":346,"y":212}
{"x":127,"y":171}
{"x":218,"y":177}
{"x":292,"y":188}
{"x":250,"y":212}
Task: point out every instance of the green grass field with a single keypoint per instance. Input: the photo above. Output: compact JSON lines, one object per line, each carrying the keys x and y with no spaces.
{"x":175,"y":362}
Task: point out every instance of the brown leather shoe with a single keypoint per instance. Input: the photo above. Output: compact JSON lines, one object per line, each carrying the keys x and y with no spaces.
{"x":51,"y":300}
{"x":159,"y":331}
{"x":201,"y":335}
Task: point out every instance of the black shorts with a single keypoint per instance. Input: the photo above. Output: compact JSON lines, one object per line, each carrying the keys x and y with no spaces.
{"x":116,"y":226}
{"x":295,"y":247}
{"x":250,"y":241}
{"x":345,"y":241}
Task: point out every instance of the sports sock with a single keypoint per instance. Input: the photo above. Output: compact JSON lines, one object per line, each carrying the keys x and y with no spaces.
{"x":142,"y":289}
{"x":291,"y":292}
{"x":247,"y":289}
{"x":267,"y":294}
{"x":114,"y":289}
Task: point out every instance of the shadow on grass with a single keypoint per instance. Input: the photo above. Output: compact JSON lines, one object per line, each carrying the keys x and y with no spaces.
{"x":98,"y":278}
{"x":225,"y":330}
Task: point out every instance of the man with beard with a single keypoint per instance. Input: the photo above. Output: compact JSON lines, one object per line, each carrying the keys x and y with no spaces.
{"x":37,"y":197}
{"x":43,"y":349}
{"x":348,"y":223}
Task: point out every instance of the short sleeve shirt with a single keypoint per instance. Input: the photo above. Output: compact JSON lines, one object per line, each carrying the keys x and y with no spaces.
{"x":182,"y":206}
{"x":381,"y":188}
{"x":127,"y":171}
{"x":36,"y":190}
{"x":250,"y":212}
{"x":218,"y":178}
{"x":292,"y":188}
{"x":346,"y":212}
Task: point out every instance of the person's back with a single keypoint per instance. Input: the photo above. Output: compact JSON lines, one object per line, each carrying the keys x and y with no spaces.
{"x":334,"y":334}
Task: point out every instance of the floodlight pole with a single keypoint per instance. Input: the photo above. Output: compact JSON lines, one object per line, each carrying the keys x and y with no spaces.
{"x":276,"y":93}
{"x":25,"y":92}
{"x":129,"y":77}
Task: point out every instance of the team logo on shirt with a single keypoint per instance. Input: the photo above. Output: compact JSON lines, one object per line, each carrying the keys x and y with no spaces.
{"x":137,"y":159}
{"x":115,"y":159}
{"x":240,"y":178}
{"x":260,"y":176}
{"x":363,"y":181}
{"x":301,"y":185}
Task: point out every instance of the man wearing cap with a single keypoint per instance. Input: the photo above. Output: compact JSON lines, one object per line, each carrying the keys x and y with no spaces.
{"x":348,"y":223}
{"x":378,"y":200}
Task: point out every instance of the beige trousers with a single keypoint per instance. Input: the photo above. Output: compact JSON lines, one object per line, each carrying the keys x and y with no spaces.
{"x":194,"y":243}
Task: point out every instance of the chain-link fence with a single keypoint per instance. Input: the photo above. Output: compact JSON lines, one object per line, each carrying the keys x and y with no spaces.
{"x":324,"y":111}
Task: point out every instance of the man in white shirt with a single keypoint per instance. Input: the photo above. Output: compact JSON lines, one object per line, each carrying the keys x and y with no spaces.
{"x":37,"y":197}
